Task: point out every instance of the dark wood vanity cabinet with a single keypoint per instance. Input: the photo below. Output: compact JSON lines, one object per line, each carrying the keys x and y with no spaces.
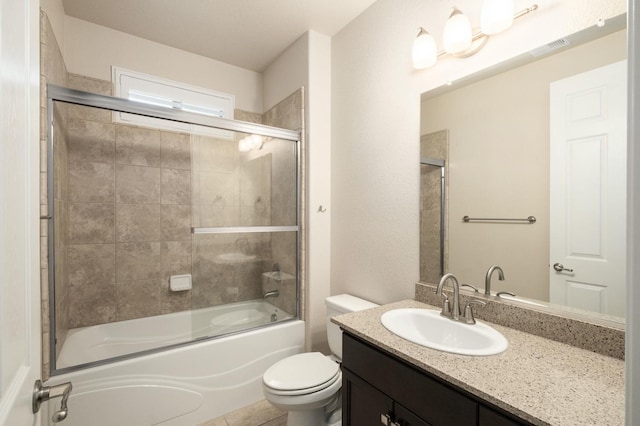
{"x":378,"y":388}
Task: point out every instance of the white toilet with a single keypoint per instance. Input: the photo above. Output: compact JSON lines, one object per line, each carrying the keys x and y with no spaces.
{"x":308,"y":385}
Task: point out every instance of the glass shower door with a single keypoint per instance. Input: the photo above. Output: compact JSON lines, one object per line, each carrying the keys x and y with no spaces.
{"x":245,"y":245}
{"x":155,"y":226}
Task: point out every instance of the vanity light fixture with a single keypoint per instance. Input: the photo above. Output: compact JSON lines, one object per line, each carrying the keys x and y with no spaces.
{"x":458,"y":37}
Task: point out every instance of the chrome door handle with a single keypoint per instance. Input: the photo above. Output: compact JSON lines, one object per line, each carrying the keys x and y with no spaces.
{"x":559,"y":267}
{"x":45,"y":393}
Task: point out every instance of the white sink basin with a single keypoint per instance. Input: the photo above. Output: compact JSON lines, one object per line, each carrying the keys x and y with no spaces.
{"x":428,"y":328}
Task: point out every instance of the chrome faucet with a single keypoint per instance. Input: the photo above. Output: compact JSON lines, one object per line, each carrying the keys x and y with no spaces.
{"x":487,"y":280}
{"x":450,"y":311}
{"x":272,"y":293}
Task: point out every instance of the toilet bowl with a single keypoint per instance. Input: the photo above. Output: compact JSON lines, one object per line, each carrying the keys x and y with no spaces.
{"x":308,"y":385}
{"x":303,"y":385}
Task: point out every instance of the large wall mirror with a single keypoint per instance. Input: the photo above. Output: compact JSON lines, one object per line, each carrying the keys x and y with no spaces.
{"x":542,"y":136}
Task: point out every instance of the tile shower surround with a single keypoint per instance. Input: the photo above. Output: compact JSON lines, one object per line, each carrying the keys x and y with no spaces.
{"x":433,"y":145}
{"x":129,"y":190}
{"x":126,"y":200}
{"x":130,"y":216}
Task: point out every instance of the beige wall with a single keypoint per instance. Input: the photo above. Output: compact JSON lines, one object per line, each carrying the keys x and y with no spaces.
{"x":307,"y":63}
{"x":91,"y":50}
{"x":376,"y":129}
{"x":499,"y":162}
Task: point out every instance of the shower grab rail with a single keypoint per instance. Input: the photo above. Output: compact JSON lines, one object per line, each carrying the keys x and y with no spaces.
{"x":244,"y":229}
{"x":467,"y":219}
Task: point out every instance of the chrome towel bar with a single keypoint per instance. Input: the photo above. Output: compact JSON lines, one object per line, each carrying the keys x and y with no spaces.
{"x":466,"y":219}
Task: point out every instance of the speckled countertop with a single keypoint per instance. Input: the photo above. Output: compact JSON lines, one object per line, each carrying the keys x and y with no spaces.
{"x":539,"y":380}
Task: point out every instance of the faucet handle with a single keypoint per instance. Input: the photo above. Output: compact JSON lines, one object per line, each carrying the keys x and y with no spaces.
{"x":475,"y":290}
{"x":446,"y":307}
{"x":468,"y":311}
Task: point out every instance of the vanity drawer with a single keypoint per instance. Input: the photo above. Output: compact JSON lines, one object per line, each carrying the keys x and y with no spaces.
{"x":488,"y":417}
{"x":424,"y":395}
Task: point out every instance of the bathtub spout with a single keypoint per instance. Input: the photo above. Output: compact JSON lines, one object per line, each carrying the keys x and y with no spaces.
{"x":272,"y":293}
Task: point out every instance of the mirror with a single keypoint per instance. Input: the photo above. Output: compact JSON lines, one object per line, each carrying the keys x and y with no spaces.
{"x":492,"y":130}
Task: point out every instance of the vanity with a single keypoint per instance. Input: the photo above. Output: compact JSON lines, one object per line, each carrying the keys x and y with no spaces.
{"x":536,"y":381}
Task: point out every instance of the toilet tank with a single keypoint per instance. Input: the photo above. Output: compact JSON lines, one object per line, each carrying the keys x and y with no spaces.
{"x":342,"y":304}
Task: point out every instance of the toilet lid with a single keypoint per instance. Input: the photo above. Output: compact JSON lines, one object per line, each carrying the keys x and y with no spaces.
{"x":301,"y":372}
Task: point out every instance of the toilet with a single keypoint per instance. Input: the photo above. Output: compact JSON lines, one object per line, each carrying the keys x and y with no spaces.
{"x":307,"y":385}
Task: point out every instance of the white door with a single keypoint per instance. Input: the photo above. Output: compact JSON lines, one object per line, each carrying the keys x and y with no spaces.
{"x":588,"y":190}
{"x":19,"y":210}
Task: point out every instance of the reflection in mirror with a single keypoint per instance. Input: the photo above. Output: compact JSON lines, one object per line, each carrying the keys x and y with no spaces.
{"x":530,"y":138}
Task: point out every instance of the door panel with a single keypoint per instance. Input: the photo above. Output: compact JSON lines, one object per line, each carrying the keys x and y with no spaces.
{"x":362,"y":404}
{"x":588,"y":190}
{"x":19,"y":210}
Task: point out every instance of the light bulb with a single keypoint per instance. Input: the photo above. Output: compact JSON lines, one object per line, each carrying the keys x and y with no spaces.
{"x":457,"y":33}
{"x":255,"y":141}
{"x":243,"y":145}
{"x":496,"y":16}
{"x":424,"y":50}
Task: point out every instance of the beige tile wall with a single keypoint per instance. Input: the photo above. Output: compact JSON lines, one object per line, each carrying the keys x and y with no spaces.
{"x":52,"y":70}
{"x":130,"y":192}
{"x":433,"y":145}
{"x":288,"y":114}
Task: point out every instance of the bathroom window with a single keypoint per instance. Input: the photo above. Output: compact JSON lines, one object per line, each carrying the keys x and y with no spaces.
{"x":161,"y":92}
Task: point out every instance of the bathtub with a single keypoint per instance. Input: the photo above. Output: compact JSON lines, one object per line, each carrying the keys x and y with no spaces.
{"x":182,"y":386}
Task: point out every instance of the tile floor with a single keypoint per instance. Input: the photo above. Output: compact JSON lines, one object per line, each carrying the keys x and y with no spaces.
{"x":259,"y":414}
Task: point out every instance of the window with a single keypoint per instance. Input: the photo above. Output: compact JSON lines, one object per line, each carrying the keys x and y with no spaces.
{"x":157,"y":91}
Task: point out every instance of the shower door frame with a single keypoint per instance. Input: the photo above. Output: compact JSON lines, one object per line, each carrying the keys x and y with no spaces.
{"x":115,"y":104}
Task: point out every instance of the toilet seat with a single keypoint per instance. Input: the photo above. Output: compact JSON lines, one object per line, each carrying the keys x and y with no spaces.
{"x":301,"y":374}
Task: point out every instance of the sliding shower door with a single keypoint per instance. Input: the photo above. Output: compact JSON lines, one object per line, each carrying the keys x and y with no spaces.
{"x":245,"y":224}
{"x":176,"y":228}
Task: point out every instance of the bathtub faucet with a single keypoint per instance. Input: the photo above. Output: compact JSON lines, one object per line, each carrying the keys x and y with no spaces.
{"x":272,"y":293}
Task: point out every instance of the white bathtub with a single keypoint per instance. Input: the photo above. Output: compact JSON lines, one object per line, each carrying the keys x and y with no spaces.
{"x":177,"y":387}
{"x":98,"y":342}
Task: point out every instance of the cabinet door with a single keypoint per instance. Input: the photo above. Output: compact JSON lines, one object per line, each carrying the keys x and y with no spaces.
{"x":426,"y":397}
{"x":488,"y":417}
{"x":362,"y":404}
{"x":405,"y":417}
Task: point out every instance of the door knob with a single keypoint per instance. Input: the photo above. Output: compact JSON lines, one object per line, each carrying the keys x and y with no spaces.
{"x":559,"y":267}
{"x":45,"y":393}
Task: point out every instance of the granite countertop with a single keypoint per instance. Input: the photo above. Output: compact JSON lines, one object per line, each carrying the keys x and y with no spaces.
{"x":536,"y":379}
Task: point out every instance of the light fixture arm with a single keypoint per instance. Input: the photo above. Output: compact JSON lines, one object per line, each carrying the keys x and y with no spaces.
{"x":483,"y":38}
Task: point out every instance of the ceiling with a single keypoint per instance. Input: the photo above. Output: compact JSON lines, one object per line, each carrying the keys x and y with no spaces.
{"x":246,"y":33}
